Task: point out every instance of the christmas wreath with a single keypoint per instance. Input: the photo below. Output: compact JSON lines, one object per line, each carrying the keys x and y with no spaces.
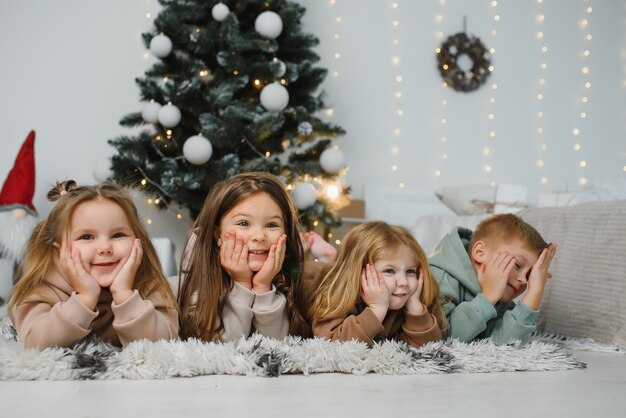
{"x":452,"y":50}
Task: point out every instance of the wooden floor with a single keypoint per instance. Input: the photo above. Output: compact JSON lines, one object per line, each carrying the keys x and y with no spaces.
{"x":598,"y":391}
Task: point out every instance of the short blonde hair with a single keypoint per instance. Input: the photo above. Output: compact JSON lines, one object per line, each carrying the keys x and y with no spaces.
{"x":505,"y":228}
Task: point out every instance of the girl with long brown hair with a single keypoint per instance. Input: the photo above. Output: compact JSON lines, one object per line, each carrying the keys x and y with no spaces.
{"x":242,"y":264}
{"x":379,"y":287}
{"x":90,"y":268}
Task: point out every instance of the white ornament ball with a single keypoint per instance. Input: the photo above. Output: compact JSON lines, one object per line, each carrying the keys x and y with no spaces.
{"x":327,"y":99}
{"x":332,"y":160}
{"x":150,"y":112}
{"x":197,"y":149}
{"x":169,"y":115}
{"x":161,"y":46}
{"x":269,"y":24}
{"x":279,"y":67}
{"x":274,"y":97}
{"x":304,"y":195}
{"x":220,"y":12}
{"x":102,"y":170}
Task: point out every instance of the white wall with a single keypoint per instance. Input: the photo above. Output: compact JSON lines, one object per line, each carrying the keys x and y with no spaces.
{"x":68,"y":70}
{"x":366,"y":106}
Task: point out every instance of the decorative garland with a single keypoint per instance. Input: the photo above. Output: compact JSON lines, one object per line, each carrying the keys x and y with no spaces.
{"x":457,"y":78}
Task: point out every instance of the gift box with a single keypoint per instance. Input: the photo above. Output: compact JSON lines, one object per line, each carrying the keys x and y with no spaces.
{"x":566,"y":198}
{"x":510,"y":198}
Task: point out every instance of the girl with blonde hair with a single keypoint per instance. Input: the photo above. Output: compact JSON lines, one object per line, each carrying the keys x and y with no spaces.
{"x":379,"y":287}
{"x":242,"y":264}
{"x":90,"y":268}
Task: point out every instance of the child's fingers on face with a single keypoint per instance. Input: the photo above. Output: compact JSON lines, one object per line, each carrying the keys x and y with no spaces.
{"x":510,"y":265}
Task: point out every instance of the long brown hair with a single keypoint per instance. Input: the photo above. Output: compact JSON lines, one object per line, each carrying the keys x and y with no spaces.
{"x":202,"y":274}
{"x":337,"y":289}
{"x":41,"y":253}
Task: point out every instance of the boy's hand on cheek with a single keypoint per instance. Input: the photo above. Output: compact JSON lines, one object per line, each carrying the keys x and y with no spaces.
{"x":86,"y":287}
{"x":494,"y":274}
{"x":538,"y":278}
{"x":234,"y":259}
{"x":262,"y":280}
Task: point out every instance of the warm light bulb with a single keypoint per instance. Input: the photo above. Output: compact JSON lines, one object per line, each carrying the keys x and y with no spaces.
{"x":144,"y":182}
{"x":492,"y":134}
{"x":544,"y":180}
{"x":437,"y":173}
{"x":332,"y":191}
{"x":394,"y":168}
{"x":583,"y":163}
{"x":577,"y":147}
{"x":575,"y":131}
{"x":488,"y":168}
{"x":540,"y":163}
{"x":149,"y":221}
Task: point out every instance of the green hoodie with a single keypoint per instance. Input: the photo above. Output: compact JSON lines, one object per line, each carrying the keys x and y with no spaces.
{"x":470,"y":315}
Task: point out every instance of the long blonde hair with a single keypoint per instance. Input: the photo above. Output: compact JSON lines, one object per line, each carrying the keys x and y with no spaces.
{"x":41,"y":253}
{"x":203,"y":272}
{"x":336,"y":290}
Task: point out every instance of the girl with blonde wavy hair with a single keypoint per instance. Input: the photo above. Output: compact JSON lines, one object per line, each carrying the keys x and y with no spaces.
{"x":379,"y":287}
{"x":91,"y":269}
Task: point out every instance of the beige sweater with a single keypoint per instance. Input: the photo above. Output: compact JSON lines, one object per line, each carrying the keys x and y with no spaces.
{"x":246,"y":311}
{"x":54,"y":316}
{"x":363,"y":325}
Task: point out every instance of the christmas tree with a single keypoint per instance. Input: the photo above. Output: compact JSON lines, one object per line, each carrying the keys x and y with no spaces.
{"x":235,"y":89}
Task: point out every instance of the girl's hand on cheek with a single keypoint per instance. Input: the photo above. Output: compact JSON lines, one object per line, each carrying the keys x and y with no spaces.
{"x":86,"y":287}
{"x":413,"y":304}
{"x":374,"y":292}
{"x":234,"y":259}
{"x":262,"y":280}
{"x":124,"y":278}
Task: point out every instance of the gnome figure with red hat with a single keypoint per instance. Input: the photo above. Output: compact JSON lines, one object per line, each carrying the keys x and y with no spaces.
{"x":18,"y":216}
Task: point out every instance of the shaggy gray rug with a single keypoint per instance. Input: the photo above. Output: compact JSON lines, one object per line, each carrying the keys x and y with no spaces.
{"x":262,"y":356}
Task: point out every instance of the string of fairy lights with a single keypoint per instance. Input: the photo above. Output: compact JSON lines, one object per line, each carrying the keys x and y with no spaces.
{"x":397,"y":94}
{"x":540,"y":94}
{"x":584,"y":25}
{"x":443,"y":120}
{"x":624,"y":79}
{"x":491,"y":114}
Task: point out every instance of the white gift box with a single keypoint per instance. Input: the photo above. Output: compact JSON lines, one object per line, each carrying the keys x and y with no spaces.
{"x":565,"y":198}
{"x":510,"y":198}
{"x":165,"y":250}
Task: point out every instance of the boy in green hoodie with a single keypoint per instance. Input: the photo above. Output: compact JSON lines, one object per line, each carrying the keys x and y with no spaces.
{"x":480,"y":274}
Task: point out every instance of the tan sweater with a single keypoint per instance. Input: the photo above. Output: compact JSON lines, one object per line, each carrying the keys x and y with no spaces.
{"x":363,"y":325}
{"x":54,"y":316}
{"x":246,"y":311}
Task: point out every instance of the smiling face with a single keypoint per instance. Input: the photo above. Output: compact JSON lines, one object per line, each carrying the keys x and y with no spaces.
{"x":525,"y":259}
{"x":101,"y":232}
{"x":399,"y":269}
{"x":259,"y":221}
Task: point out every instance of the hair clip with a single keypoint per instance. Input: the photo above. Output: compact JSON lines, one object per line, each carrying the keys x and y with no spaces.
{"x":63,"y":192}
